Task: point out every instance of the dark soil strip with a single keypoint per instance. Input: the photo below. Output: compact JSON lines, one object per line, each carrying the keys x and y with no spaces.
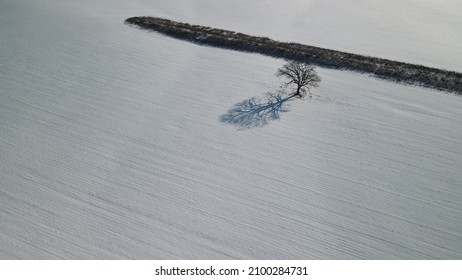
{"x":383,"y":68}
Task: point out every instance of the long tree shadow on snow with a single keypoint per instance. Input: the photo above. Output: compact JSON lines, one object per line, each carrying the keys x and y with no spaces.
{"x":257,"y":112}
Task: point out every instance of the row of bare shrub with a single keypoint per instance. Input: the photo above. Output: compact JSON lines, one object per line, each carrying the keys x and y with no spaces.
{"x":383,"y":68}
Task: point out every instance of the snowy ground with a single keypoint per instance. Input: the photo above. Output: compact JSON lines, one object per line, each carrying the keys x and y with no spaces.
{"x":111,"y":144}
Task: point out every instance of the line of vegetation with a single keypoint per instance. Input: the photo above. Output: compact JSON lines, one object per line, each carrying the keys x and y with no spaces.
{"x":383,"y":68}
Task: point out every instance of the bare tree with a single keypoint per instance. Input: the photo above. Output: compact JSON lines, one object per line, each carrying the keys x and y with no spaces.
{"x":300,"y":76}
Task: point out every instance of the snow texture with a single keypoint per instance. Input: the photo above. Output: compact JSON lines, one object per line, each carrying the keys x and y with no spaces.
{"x":113,"y":143}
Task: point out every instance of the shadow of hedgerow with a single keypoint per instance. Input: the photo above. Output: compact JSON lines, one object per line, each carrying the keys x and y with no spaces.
{"x":257,"y":112}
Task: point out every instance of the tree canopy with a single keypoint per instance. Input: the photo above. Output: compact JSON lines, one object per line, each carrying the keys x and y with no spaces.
{"x":299,"y":76}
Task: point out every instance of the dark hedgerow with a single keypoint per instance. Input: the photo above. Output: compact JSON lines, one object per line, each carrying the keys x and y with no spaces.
{"x":383,"y":68}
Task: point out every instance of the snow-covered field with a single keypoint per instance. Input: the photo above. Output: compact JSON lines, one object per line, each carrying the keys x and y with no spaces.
{"x":111,"y":144}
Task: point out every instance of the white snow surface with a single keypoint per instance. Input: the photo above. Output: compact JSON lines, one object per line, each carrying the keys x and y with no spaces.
{"x":111,"y":144}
